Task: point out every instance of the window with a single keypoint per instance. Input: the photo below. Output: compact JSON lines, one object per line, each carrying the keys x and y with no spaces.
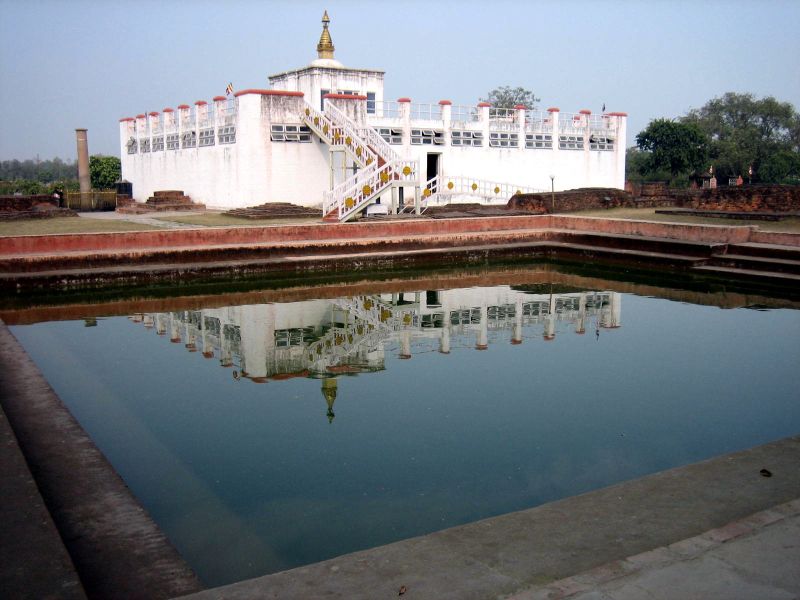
{"x":391,"y":136}
{"x":207,"y":137}
{"x":570,"y":142}
{"x":158,"y":144}
{"x":371,"y":103}
{"x":426,"y":137}
{"x":466,"y":138}
{"x":227,"y":134}
{"x":597,"y":142}
{"x":189,"y":139}
{"x":132,"y":146}
{"x":538,"y":140}
{"x":172,"y":141}
{"x":144,"y":145}
{"x":499,"y":139}
{"x":290,"y":133}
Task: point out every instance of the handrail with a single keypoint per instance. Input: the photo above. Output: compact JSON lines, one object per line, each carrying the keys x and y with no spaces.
{"x":446,"y":185}
{"x":349,"y":135}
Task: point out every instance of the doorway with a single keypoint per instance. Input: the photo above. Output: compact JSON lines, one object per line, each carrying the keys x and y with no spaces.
{"x":432,"y":168}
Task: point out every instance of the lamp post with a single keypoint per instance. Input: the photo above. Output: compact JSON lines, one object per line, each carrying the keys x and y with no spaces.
{"x":552,"y":193}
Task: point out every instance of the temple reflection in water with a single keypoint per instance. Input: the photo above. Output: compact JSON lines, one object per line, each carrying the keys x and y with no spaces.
{"x":326,"y":338}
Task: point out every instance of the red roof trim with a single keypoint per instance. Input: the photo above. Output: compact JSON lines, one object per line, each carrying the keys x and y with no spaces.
{"x":269,"y":93}
{"x":345,"y":96}
{"x":404,"y":99}
{"x":219,"y":98}
{"x":521,"y":107}
{"x":154,"y":114}
{"x":167,"y":110}
{"x":183,"y":106}
{"x":445,"y":103}
{"x":126,"y":119}
{"x":200,"y":103}
{"x":484,"y":104}
{"x":140,"y":116}
{"x":585,"y":111}
{"x":553,"y":109}
{"x":618,"y":114}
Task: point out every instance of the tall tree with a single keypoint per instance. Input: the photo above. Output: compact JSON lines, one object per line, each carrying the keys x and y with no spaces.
{"x":746,"y":131}
{"x":104,"y":171}
{"x":673,"y":147}
{"x":508,"y":97}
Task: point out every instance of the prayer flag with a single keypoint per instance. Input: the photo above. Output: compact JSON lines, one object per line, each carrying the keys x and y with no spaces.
{"x":229,"y":89}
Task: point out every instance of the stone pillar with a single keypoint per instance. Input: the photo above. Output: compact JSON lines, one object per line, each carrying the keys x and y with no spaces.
{"x":405,"y":117}
{"x":521,"y":108}
{"x":447,"y":118}
{"x":580,"y":327}
{"x":83,"y":161}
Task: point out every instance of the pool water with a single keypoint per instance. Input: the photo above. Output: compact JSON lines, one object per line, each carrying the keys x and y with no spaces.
{"x":267,"y":436}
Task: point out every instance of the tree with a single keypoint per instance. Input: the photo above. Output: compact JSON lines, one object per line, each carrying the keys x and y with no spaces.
{"x":677,"y":148}
{"x":104,"y":171}
{"x":745,"y":131}
{"x":508,"y":97}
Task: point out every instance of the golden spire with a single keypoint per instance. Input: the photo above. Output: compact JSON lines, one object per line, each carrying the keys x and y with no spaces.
{"x":329,"y":392}
{"x":325,"y":47}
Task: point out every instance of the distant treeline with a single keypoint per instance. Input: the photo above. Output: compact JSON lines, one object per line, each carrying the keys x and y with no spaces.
{"x":43,"y":171}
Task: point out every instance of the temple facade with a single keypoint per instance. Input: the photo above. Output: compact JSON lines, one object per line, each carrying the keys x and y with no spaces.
{"x":324,"y":135}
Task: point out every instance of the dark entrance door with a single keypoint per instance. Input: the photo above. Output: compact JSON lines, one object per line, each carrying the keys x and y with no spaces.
{"x":433,"y":168}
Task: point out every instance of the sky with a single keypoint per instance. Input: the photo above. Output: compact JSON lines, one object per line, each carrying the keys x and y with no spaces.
{"x":67,"y":64}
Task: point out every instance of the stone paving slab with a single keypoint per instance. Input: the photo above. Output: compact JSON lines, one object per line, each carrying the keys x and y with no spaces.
{"x":757,"y":557}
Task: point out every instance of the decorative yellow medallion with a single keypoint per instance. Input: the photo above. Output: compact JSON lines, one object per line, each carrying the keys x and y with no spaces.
{"x":325,"y":129}
{"x":350,"y":338}
{"x":367,"y":305}
{"x":339,"y":339}
{"x":406,"y":170}
{"x":348,"y":140}
{"x":384,"y":176}
{"x":337,"y":137}
{"x":426,"y":192}
{"x":316,"y":120}
{"x":358,"y":151}
{"x":496,"y":189}
{"x":308,"y":111}
{"x":385,"y":315}
{"x":450,"y":185}
{"x":407,"y":319}
{"x":474,"y":186}
{"x":367,"y":190}
{"x":369,"y":160}
{"x":349,"y":202}
{"x":360,"y":330}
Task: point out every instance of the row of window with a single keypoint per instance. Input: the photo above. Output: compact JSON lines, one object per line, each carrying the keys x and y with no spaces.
{"x":426,"y":137}
{"x":290,"y":133}
{"x":188,"y":139}
{"x":496,"y":139}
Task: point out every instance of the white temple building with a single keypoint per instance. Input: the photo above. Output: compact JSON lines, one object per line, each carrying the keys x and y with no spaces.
{"x":324,"y":135}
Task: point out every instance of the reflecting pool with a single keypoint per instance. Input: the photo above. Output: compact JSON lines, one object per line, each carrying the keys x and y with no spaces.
{"x":266,"y":435}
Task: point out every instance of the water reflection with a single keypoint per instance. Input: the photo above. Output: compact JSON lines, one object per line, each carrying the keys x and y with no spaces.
{"x":327,"y":338}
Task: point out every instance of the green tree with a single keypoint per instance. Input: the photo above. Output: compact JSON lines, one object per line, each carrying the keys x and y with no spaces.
{"x":745,"y":131}
{"x":104,"y":171}
{"x":508,"y":97}
{"x":672,"y":147}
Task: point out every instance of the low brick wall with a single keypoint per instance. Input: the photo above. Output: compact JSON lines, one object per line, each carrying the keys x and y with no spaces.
{"x":571,"y":200}
{"x":748,"y":198}
{"x":25,"y":203}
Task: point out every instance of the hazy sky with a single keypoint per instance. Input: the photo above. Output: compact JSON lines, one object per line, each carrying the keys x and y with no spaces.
{"x":88,"y":63}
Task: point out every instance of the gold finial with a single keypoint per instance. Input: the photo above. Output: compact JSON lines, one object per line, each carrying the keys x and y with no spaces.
{"x":325,"y":47}
{"x":329,"y":387}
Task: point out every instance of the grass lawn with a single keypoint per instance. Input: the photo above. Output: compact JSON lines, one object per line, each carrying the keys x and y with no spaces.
{"x":220,"y":220}
{"x":68,"y":225}
{"x":791,"y":225}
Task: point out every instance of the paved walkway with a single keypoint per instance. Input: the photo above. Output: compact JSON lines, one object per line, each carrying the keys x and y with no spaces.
{"x":153,"y":218}
{"x":753,"y":558}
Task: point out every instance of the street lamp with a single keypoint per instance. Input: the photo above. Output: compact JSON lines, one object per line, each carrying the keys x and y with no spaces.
{"x":552,"y":193}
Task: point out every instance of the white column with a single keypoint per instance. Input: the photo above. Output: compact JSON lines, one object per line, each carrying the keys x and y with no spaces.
{"x":483,"y":329}
{"x":516,"y":338}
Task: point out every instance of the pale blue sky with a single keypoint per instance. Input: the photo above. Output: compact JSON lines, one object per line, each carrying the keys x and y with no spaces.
{"x":87,"y":63}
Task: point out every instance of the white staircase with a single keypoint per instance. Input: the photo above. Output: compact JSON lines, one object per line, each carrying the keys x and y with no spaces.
{"x":381,"y":166}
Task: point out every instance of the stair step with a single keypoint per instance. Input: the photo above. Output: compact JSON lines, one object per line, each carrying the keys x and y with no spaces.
{"x":750,"y":273}
{"x":784,"y":265}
